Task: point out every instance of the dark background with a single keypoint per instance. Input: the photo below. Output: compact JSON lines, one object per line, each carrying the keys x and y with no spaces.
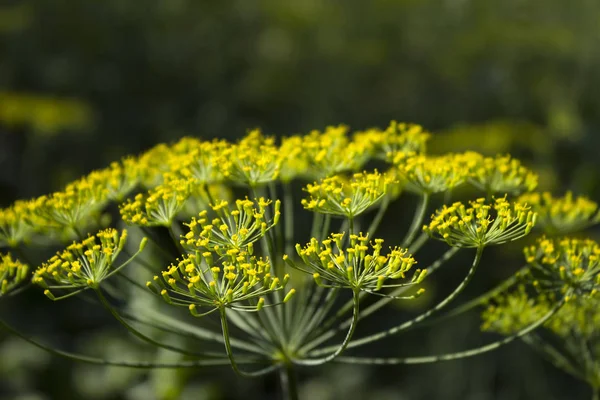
{"x":85,"y":82}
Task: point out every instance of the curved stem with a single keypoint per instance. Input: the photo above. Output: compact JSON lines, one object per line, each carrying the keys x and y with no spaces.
{"x":409,"y":324}
{"x":454,"y":356}
{"x":417,"y":221}
{"x":127,"y":364}
{"x":232,"y":360}
{"x":288,"y":212}
{"x":345,"y":343}
{"x":140,"y":335}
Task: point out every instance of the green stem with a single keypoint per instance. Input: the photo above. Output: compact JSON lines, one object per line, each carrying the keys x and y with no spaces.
{"x":140,"y":335}
{"x":176,"y":239}
{"x":232,"y":360}
{"x":350,"y":226}
{"x":325,"y":228}
{"x":454,"y":356}
{"x":411,"y":323}
{"x":417,"y":221}
{"x":340,"y":349}
{"x":289,"y":382}
{"x":379,"y":216}
{"x":127,"y":364}
{"x":553,"y":355}
{"x":288,"y":212}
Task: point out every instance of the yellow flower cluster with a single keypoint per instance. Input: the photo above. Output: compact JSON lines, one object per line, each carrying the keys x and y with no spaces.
{"x":12,"y":274}
{"x":82,"y":264}
{"x":14,"y":225}
{"x":234,"y":228}
{"x":196,"y":282}
{"x":358,"y":266}
{"x":500,"y":175}
{"x":344,"y":197}
{"x":119,"y":179}
{"x":199,"y":160}
{"x":480,"y":224}
{"x":565,"y":264}
{"x":429,"y":174}
{"x":253,"y":161}
{"x":561,"y":215}
{"x":160,"y":205}
{"x":397,"y":139}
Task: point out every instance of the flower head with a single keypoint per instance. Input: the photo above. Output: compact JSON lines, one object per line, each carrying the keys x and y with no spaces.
{"x":565,"y":264}
{"x":160,"y":205}
{"x":293,"y":161}
{"x":430,"y":174}
{"x":480,"y":224}
{"x":119,"y":179}
{"x":360,"y":265}
{"x":397,"y":139}
{"x":347,"y":197}
{"x":15,"y":224}
{"x":12,"y":274}
{"x":193,"y":158}
{"x":561,"y":215}
{"x":500,"y":175}
{"x":198,"y":283}
{"x":83,"y":264}
{"x":234,"y":228}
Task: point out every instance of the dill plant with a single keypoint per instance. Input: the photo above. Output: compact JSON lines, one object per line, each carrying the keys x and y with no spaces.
{"x":209,"y":227}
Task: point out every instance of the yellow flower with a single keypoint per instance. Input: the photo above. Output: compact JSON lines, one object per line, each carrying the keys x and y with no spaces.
{"x":347,"y":197}
{"x":397,"y":139}
{"x":565,"y":263}
{"x":200,"y":285}
{"x":501,"y":174}
{"x":560,"y":215}
{"x":193,"y":158}
{"x":16,"y":224}
{"x":119,"y":179}
{"x":293,"y":161}
{"x":235,"y":227}
{"x":480,"y":224}
{"x":430,"y":174}
{"x":160,"y":205}
{"x":12,"y":274}
{"x":359,"y":266}
{"x":83,"y":264}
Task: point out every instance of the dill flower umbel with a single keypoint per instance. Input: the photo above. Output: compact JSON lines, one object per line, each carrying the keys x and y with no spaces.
{"x":293,"y":162}
{"x":428,"y":174}
{"x":119,"y":179}
{"x":234,"y":228}
{"x":560,"y":215}
{"x":565,"y":264}
{"x":15,"y":224}
{"x":193,"y":158}
{"x":501,"y":174}
{"x":12,"y":274}
{"x":160,"y":205}
{"x":359,"y":266}
{"x":200,"y":284}
{"x":253,"y":161}
{"x":344,"y":197}
{"x":331,"y":152}
{"x":84,"y":264}
{"x":396,"y":139}
{"x":479,"y":224}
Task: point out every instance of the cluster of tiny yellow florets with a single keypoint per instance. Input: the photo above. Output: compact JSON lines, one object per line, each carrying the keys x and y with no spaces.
{"x":481,"y":224}
{"x":500,"y":175}
{"x":159,"y":206}
{"x":195,"y":159}
{"x":12,"y":273}
{"x":340,"y":196}
{"x":431,"y":174}
{"x":233,"y":228}
{"x":82,"y":264}
{"x":359,"y":265}
{"x":14,"y":225}
{"x":119,"y":179}
{"x":566,"y":265}
{"x":397,"y":139}
{"x":561,"y":215}
{"x":239,"y":280}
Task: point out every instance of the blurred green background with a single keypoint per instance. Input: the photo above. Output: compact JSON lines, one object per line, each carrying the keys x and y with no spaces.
{"x":85,"y":82}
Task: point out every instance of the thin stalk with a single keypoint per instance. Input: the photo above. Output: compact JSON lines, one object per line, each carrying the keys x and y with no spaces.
{"x":553,"y":355}
{"x":409,"y":324}
{"x":379,"y":216}
{"x":325,"y":228}
{"x":175,"y":239}
{"x":350,"y":226}
{"x":418,"y":243}
{"x":288,"y":214}
{"x":457,"y":355}
{"x":127,"y":364}
{"x":340,"y":349}
{"x":417,"y":221}
{"x":232,"y":360}
{"x":289,"y":382}
{"x":137,"y":333}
